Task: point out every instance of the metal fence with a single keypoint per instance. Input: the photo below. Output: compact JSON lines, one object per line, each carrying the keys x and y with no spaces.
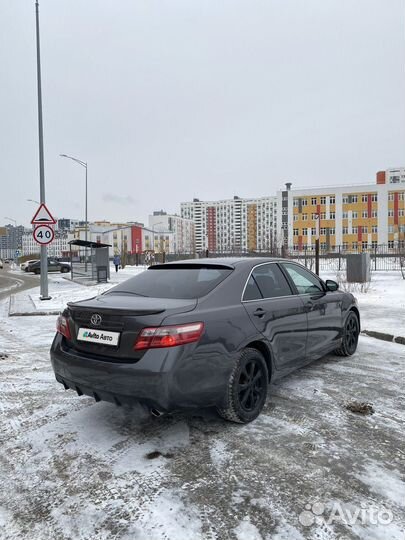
{"x":383,"y":256}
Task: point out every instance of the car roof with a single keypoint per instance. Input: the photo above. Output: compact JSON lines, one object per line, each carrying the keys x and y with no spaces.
{"x":229,"y":262}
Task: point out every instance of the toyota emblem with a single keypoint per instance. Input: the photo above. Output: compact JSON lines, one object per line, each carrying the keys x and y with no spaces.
{"x":95,"y":319}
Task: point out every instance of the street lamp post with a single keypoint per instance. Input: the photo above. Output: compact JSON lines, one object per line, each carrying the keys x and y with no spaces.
{"x":83,"y":164}
{"x":44,"y":252}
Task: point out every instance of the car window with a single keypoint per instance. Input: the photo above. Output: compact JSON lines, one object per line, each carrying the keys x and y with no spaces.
{"x":252,"y":291}
{"x":305,"y":282}
{"x":174,"y":281}
{"x":271,"y":281}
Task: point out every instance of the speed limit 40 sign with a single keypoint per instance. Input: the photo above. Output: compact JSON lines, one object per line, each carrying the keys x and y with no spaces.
{"x":43,"y":234}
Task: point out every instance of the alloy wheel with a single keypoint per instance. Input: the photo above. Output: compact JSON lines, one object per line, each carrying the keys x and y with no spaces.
{"x":351,"y":333}
{"x":251,"y":385}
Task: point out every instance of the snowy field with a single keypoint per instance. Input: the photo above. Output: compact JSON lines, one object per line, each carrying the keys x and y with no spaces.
{"x":74,"y":469}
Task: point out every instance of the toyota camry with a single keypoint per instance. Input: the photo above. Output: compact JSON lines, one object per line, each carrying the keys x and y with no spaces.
{"x":202,"y":333}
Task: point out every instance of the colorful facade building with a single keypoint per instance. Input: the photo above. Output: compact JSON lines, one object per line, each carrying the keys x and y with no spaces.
{"x":352,"y":217}
{"x":233,"y":225}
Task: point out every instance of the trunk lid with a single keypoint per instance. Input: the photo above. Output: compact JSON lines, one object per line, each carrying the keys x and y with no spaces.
{"x":122,"y":313}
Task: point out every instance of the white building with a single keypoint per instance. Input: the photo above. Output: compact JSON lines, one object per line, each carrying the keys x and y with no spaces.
{"x":59,"y":247}
{"x":233,"y":224}
{"x":173,"y":230}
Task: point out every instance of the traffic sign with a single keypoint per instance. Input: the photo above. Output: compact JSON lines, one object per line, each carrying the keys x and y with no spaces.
{"x":43,"y":216}
{"x":43,"y":234}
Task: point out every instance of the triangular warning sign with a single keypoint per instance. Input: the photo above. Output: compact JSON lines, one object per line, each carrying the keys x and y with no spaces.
{"x":42,"y":216}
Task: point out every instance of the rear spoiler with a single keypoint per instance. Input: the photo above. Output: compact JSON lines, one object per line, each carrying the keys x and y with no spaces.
{"x":196,"y":266}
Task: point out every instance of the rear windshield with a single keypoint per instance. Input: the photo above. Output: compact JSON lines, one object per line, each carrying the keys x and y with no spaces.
{"x":174,"y":282}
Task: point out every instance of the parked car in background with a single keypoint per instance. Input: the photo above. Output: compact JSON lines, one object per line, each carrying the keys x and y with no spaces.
{"x":53,"y":266}
{"x":24,"y":266}
{"x":1,"y":264}
{"x":202,"y":333}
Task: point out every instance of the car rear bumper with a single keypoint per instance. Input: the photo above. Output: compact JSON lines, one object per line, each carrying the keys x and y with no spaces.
{"x":164,"y":379}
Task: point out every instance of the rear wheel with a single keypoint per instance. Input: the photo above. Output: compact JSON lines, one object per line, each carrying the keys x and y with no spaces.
{"x":37,"y":271}
{"x":350,"y":338}
{"x":247,"y":388}
{"x":64,"y":269}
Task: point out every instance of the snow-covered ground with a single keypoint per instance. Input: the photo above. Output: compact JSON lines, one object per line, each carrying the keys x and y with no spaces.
{"x":382,"y":306}
{"x":74,"y":469}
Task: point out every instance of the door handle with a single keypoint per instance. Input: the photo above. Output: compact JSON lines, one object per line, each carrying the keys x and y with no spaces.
{"x":259,"y":312}
{"x":309,"y":305}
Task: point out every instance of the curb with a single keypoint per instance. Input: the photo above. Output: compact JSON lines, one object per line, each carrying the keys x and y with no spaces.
{"x":384,"y":337}
{"x":13,"y":310}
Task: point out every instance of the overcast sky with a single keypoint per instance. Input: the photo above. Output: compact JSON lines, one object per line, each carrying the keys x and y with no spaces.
{"x":173,"y":99}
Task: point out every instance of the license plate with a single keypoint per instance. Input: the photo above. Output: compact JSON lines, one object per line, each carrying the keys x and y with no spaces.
{"x":103,"y":337}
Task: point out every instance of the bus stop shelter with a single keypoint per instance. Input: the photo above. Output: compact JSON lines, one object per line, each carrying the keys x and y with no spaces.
{"x":89,"y":261}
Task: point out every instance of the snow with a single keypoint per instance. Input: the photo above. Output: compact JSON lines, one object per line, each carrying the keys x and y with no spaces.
{"x":76,"y":469}
{"x":247,"y":531}
{"x":382,"y":307}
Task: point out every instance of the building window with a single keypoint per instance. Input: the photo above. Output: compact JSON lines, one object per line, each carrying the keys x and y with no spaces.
{"x":313,"y":231}
{"x":364,"y":245}
{"x":323,"y":245}
{"x":390,"y":196}
{"x":295,"y":217}
{"x":345,"y":245}
{"x":374,"y":197}
{"x":331,"y":230}
{"x":374,"y":213}
{"x":296,"y":232}
{"x":345,"y":230}
{"x":401,"y":196}
{"x":390,"y":212}
{"x":332,"y":199}
{"x":354,"y":245}
{"x":304,"y":217}
{"x":314,"y":201}
{"x":295,"y":202}
{"x":364,"y":198}
{"x":355,"y":230}
{"x":364,"y":214}
{"x":390,"y":228}
{"x":390,"y":244}
{"x":354,"y":215}
{"x":364,"y":229}
{"x":345,"y":215}
{"x":332,"y":215}
{"x":374,"y":229}
{"x":374,"y":244}
{"x":401,"y":212}
{"x":323,"y":200}
{"x":354,"y":199}
{"x":304,"y":232}
{"x":322,"y":231}
{"x":304,"y":202}
{"x":323,"y":215}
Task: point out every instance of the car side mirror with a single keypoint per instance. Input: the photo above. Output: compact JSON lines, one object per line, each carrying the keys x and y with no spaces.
{"x":331,"y":285}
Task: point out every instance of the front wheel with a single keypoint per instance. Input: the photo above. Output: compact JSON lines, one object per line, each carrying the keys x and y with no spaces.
{"x":247,"y":388}
{"x":37,"y":271}
{"x":351,"y":331}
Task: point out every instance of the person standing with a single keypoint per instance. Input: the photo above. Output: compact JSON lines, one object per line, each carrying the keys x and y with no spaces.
{"x":117,"y":262}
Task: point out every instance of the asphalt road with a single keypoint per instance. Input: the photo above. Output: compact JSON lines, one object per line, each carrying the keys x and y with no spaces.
{"x":12,"y":282}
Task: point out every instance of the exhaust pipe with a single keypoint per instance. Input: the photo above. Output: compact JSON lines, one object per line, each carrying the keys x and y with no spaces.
{"x":156,"y":413}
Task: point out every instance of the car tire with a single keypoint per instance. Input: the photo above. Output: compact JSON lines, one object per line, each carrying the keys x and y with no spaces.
{"x":37,"y":271}
{"x":64,"y":270}
{"x":247,"y":388}
{"x":351,"y":332}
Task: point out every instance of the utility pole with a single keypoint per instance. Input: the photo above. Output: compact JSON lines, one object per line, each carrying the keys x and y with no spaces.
{"x":44,"y":252}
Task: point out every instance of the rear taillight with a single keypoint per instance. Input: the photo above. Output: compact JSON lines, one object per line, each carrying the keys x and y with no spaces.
{"x":168,"y":336}
{"x":62,"y":326}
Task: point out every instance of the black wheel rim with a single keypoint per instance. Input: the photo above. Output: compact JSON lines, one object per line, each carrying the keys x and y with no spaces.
{"x":251,"y":386}
{"x":351,"y":334}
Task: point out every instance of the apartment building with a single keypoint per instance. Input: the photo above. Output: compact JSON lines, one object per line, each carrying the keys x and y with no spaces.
{"x":179,"y":232}
{"x":59,"y":247}
{"x":352,"y":216}
{"x":229,"y":225}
